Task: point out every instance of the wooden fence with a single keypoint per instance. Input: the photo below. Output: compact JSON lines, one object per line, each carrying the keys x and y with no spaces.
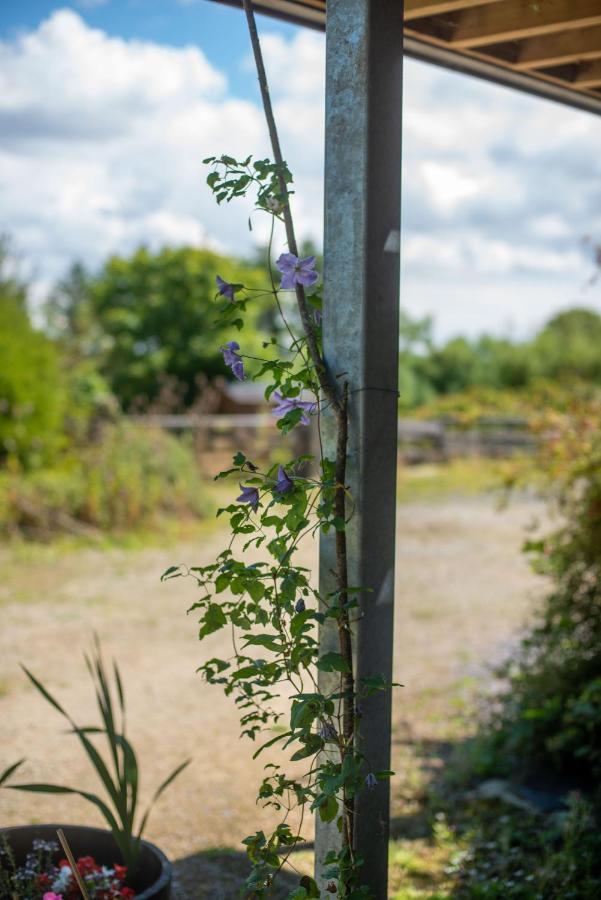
{"x":420,"y":440}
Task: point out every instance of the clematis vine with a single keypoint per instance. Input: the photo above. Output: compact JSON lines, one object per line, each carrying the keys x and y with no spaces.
{"x":284,"y":484}
{"x":225,"y":288}
{"x":249,"y":495}
{"x":268,"y":599}
{"x":284,"y":405}
{"x":232,"y":359}
{"x":327,"y":732}
{"x":296,"y":271}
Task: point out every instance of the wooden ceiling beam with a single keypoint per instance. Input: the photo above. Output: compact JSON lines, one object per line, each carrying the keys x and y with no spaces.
{"x":415,"y":9}
{"x":518,"y":19}
{"x":589,"y":75}
{"x":556,"y":49}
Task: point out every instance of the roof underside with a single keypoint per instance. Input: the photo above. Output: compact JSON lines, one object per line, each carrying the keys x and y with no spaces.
{"x":547,"y":47}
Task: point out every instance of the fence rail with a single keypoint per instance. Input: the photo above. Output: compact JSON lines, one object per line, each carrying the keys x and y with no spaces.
{"x":420,"y":440}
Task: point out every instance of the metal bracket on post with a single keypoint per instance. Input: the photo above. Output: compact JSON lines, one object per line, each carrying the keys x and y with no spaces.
{"x":361,"y":301}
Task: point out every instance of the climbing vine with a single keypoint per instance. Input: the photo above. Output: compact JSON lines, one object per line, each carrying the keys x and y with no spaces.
{"x":271,"y":604}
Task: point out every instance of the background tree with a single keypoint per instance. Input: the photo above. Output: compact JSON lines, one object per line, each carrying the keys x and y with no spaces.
{"x":33,"y":394}
{"x":569,"y":346}
{"x":150,"y":319}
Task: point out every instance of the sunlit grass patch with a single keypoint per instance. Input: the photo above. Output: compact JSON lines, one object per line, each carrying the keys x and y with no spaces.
{"x":417,"y":869}
{"x":462,"y":477}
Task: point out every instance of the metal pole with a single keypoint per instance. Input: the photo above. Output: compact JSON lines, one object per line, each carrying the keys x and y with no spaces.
{"x":361,"y":300}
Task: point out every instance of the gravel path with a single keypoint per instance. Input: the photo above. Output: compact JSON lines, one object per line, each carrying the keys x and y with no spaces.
{"x":463,"y":592}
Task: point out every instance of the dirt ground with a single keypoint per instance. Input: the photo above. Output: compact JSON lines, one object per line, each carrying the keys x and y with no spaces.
{"x":463,"y":592}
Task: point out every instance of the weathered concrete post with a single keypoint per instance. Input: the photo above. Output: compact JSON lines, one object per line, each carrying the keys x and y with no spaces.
{"x":362,"y":223}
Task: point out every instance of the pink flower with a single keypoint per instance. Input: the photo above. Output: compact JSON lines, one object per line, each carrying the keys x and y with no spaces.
{"x":50,"y":895}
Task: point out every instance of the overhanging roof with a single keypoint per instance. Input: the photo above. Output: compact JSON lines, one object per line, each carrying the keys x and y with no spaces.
{"x":551,"y":48}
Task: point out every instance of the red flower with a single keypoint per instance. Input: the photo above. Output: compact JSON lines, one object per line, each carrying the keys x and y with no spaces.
{"x":127,"y":892}
{"x":86,"y":865}
{"x":120,"y":871}
{"x":43,"y":880}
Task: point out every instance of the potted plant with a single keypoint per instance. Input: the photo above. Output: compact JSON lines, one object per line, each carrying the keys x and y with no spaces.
{"x":138,"y":867}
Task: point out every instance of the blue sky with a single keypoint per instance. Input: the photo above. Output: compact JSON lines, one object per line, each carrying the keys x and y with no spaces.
{"x":107,"y":108}
{"x":218,"y":29}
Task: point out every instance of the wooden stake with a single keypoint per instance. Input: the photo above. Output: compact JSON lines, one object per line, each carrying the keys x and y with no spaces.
{"x":74,"y":869}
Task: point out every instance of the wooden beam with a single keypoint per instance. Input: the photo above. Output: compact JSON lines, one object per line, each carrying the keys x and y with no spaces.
{"x":589,"y":75}
{"x":311,"y":12}
{"x":415,"y":9}
{"x":556,"y":49}
{"x":517,"y":19}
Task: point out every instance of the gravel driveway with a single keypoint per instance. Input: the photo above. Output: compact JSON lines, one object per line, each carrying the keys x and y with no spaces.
{"x":463,"y":592}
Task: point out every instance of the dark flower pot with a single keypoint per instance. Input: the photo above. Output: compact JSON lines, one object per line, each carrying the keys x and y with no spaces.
{"x":151,"y":880}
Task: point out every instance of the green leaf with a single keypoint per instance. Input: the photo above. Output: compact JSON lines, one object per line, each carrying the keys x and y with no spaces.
{"x":328,"y":810}
{"x":310,"y":887}
{"x":46,"y":694}
{"x":332,"y":662}
{"x":58,"y":789}
{"x":271,"y":742}
{"x":214,"y":619}
{"x":10,"y":770}
{"x":310,"y":747}
{"x":256,"y":590}
{"x":299,"y":622}
{"x":170,"y":778}
{"x":222,"y":582}
{"x":265,"y":640}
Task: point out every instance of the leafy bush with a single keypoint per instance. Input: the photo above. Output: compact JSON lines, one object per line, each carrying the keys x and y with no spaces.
{"x":125,"y":479}
{"x":551,"y":712}
{"x":563,"y":353}
{"x":33,"y":391}
{"x":513,"y":855}
{"x":474,"y":405}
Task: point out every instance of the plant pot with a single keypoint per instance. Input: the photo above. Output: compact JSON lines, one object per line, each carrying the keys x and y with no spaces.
{"x":151,"y":881}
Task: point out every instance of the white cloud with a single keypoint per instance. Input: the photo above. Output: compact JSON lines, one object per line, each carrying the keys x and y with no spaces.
{"x":103,"y":138}
{"x":103,"y":141}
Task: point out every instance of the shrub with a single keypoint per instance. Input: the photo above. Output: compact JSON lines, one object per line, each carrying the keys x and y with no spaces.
{"x":129,"y":476}
{"x":551,"y":712}
{"x":33,"y":392}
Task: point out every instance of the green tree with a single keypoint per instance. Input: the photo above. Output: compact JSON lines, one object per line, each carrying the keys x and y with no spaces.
{"x":150,"y":320}
{"x":33,"y":394}
{"x":568,"y":346}
{"x":415,"y":350}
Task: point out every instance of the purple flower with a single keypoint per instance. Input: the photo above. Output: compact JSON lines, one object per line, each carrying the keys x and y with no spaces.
{"x":233,"y":359}
{"x":284,"y":483}
{"x":225,"y":288}
{"x":296,"y":271}
{"x":287,"y":404}
{"x":371,"y":781}
{"x":249,"y":495}
{"x":299,"y":606}
{"x":327,"y":732}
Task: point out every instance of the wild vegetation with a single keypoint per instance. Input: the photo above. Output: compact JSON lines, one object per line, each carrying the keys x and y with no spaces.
{"x":541,"y":735}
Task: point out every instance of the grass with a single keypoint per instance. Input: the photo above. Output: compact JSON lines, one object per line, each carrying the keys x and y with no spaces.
{"x":458,"y":477}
